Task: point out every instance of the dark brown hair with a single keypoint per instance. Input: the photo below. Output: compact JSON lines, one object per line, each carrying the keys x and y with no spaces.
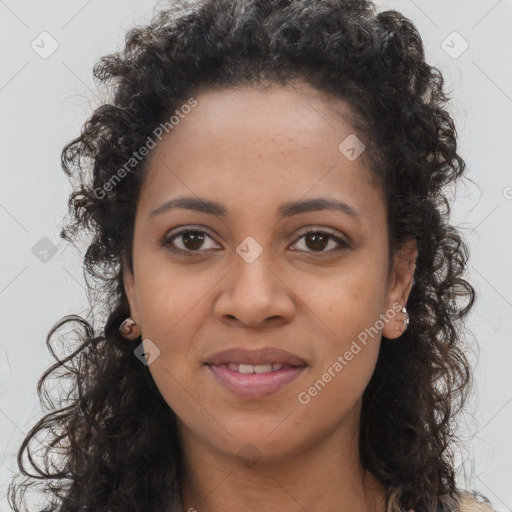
{"x":115,"y":434}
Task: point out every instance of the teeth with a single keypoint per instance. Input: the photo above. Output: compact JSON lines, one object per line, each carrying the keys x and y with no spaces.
{"x":254,"y":368}
{"x":257,"y":368}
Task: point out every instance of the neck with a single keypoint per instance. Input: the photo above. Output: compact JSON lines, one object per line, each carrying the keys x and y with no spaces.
{"x":326,"y":476}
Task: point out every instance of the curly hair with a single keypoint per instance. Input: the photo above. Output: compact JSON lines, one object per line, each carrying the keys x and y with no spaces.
{"x":113,"y":435}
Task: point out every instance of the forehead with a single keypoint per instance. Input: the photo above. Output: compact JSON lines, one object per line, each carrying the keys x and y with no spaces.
{"x":295,"y":112}
{"x":275,"y":143}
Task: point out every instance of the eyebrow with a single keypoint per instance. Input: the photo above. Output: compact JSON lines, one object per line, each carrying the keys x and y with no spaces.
{"x":288,"y":209}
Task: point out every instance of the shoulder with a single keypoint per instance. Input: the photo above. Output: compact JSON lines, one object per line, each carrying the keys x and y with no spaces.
{"x":468,"y":503}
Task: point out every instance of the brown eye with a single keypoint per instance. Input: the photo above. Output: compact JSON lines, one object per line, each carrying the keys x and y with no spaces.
{"x":188,"y":240}
{"x":193,"y":240}
{"x":317,"y":241}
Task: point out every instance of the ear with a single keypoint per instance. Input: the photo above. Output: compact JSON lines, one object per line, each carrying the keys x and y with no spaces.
{"x":129,"y":287}
{"x":399,"y":287}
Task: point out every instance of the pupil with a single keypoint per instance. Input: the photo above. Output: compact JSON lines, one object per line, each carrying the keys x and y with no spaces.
{"x":316,"y":238}
{"x":195,"y":238}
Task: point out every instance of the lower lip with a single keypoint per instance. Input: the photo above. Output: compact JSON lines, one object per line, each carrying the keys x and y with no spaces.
{"x":254,"y":386}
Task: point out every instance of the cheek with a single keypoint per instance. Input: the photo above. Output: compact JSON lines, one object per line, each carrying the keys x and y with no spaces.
{"x":345,"y":304}
{"x":347,"y":348}
{"x":173,"y":300}
{"x":347,"y":311}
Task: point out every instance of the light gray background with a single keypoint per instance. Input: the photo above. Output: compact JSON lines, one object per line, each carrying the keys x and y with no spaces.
{"x":44,"y":101}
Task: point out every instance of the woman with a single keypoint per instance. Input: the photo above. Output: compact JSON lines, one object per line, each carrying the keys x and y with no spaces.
{"x":282,"y":290}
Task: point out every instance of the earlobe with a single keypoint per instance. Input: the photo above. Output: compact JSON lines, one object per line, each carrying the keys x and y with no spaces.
{"x":400,"y":285}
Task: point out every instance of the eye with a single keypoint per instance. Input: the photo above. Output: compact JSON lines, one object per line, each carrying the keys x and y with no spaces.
{"x":188,"y":241}
{"x":318,"y":240}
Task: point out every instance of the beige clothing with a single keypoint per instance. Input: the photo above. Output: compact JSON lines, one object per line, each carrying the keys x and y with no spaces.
{"x":470,"y":505}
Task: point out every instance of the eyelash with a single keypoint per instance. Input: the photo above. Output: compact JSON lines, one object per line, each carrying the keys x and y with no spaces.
{"x":168,"y":242}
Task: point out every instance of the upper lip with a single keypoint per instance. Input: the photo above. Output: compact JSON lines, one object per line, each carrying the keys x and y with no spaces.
{"x":268,"y":355}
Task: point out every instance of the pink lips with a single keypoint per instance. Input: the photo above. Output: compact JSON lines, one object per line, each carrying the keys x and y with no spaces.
{"x":254,"y":386}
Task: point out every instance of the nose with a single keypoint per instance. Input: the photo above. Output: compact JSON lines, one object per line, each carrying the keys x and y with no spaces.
{"x":255,"y":295}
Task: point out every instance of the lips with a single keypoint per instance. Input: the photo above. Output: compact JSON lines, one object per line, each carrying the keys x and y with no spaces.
{"x":255,"y":374}
{"x":254,"y":386}
{"x":262,"y":357}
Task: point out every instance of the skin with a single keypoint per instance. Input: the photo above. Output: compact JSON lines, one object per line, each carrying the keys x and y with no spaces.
{"x":251,"y":150}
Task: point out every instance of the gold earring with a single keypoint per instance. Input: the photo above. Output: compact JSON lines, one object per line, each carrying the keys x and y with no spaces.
{"x":129,"y":329}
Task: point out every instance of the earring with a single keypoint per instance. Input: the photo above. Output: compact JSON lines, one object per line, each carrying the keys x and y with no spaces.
{"x":129,"y":329}
{"x":406,"y":320}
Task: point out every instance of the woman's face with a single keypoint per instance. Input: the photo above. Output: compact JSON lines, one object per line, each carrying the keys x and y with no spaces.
{"x":259,"y":169}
